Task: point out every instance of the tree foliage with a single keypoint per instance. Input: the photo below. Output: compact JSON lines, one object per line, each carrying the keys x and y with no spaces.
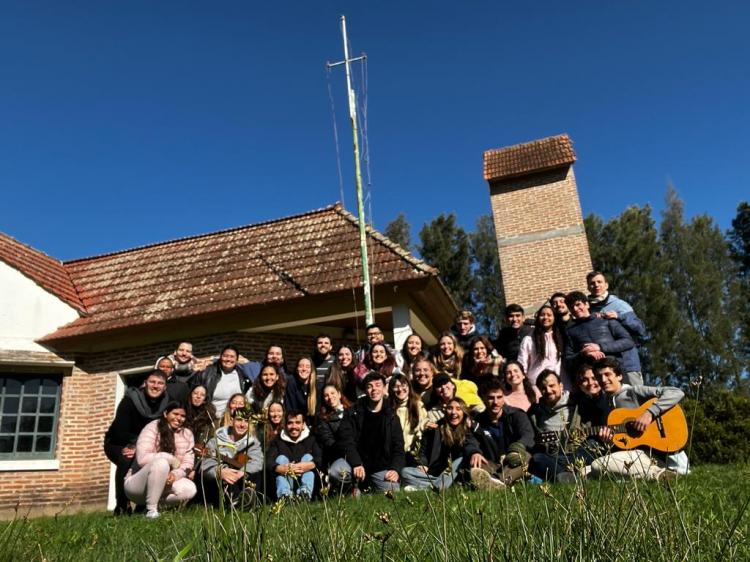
{"x":445,"y":245}
{"x":399,"y":231}
{"x":488,"y":290}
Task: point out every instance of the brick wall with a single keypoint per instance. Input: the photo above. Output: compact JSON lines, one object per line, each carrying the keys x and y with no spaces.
{"x":86,"y":410}
{"x":541,"y":242}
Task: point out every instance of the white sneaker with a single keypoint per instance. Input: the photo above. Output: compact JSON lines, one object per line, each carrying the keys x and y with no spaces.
{"x":484,"y":481}
{"x":152,"y":514}
{"x":409,"y":488}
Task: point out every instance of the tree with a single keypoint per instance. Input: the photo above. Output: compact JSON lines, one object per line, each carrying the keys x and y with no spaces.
{"x":702,"y":276}
{"x":739,"y":239}
{"x":399,"y":231}
{"x":445,"y":245}
{"x":488,"y":290}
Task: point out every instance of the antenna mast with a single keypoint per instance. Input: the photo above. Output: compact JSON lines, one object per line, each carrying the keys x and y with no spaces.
{"x":357,"y":172}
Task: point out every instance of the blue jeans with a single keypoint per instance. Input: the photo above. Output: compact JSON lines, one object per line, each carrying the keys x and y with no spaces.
{"x":423,"y":481}
{"x":341,"y":478}
{"x":285,"y":484}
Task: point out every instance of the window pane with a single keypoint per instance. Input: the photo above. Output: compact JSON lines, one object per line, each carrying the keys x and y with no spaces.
{"x":27,"y":424}
{"x":43,"y":444}
{"x":6,"y":444}
{"x":8,"y":424}
{"x":45,"y":424}
{"x":25,"y":443}
{"x":31,"y":386}
{"x":47,"y":405}
{"x":12,"y":386}
{"x":10,"y":405}
{"x":50,"y":386}
{"x":29,"y":404}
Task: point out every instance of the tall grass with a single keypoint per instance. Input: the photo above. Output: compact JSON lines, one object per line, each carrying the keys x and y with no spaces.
{"x":700,"y":517}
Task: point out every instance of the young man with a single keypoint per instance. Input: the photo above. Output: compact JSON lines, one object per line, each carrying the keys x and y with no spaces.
{"x":591,"y":339}
{"x":505,"y":437}
{"x":375,"y":334}
{"x":323,"y":357}
{"x":177,"y":387}
{"x":557,"y":412}
{"x":372,"y":442}
{"x":464,"y":328}
{"x":636,"y":463}
{"x":233,"y":460}
{"x":184,"y":362}
{"x":293,"y":457}
{"x":562,"y":314}
{"x":604,"y":304}
{"x":509,"y":339}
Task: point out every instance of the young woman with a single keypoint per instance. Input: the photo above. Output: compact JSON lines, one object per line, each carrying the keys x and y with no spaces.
{"x":378,"y":359}
{"x":519,"y":392}
{"x":274,"y":422}
{"x":328,"y":424}
{"x":200,"y":419}
{"x":301,"y":389}
{"x":450,"y":445}
{"x":270,"y":386}
{"x":543,"y":348}
{"x":163,"y":459}
{"x":235,"y":402}
{"x":410,"y":411}
{"x":449,"y":355}
{"x":413,"y":350}
{"x":343,"y":374}
{"x":588,"y":395}
{"x":422,"y":374}
{"x":480,"y":364}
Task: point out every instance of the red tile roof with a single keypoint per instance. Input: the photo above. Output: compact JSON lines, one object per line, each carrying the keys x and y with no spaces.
{"x":47,"y":272}
{"x":535,"y":156}
{"x":309,"y":254}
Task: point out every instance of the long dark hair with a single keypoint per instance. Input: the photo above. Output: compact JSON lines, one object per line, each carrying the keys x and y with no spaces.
{"x":270,"y":432}
{"x":540,"y":341}
{"x":166,"y":433}
{"x":200,"y":419}
{"x":412,"y":400}
{"x":344,"y":378}
{"x":528,"y":389}
{"x":260,"y":392}
{"x":456,"y":437}
{"x":409,"y":360}
{"x":325,"y":411}
{"x":470,"y":363}
{"x":387,"y":367}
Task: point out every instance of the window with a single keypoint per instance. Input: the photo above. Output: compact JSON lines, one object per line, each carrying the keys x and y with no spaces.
{"x":29,"y":412}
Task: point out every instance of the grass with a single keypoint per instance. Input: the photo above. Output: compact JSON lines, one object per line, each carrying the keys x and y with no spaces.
{"x":701,"y":517}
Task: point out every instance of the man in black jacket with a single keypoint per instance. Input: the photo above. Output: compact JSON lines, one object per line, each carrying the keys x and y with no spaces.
{"x":293,"y":457}
{"x":509,"y":339}
{"x":505,"y":436}
{"x":372,"y":442}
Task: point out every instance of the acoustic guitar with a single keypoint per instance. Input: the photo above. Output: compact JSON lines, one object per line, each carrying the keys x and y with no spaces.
{"x":668,"y":433}
{"x":237,"y":462}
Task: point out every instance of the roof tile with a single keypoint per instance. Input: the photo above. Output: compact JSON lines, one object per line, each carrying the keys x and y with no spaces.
{"x":535,"y":156}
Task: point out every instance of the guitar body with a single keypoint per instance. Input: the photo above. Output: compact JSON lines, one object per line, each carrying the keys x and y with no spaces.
{"x":668,"y":433}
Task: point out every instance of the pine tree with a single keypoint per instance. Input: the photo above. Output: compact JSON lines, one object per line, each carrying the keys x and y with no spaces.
{"x":399,"y":231}
{"x":739,"y":242}
{"x":488,"y":291}
{"x":445,"y":245}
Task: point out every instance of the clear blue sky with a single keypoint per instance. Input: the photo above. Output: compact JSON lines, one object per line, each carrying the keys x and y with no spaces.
{"x":126,"y":123}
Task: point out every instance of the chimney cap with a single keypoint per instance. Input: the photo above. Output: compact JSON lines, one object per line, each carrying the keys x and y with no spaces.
{"x":528,"y":158}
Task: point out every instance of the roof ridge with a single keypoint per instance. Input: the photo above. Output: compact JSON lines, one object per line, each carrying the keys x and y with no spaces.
{"x":204,"y":235}
{"x":388,"y":243}
{"x":561,"y":136}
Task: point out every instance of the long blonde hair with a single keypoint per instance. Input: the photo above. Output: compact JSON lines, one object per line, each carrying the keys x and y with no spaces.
{"x":456,"y":437}
{"x":451,"y":365}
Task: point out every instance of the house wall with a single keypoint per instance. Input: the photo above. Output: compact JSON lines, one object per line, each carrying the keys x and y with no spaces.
{"x":541,"y":239}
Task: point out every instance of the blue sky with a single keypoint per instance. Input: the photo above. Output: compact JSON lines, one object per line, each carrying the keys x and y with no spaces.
{"x":126,"y":123}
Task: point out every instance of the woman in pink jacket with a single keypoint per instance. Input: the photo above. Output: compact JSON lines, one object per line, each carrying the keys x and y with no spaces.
{"x":163,"y":459}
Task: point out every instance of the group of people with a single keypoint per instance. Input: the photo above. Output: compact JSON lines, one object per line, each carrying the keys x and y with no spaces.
{"x":471,"y":408}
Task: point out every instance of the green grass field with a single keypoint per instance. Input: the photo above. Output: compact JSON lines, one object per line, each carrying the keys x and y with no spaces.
{"x":700,"y":517}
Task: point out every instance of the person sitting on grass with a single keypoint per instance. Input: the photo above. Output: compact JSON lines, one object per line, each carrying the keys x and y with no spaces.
{"x":373,"y":442}
{"x":328,"y":424}
{"x":293,"y":457}
{"x":505,"y":436}
{"x":519,"y":392}
{"x":232,"y":467}
{"x":201,"y":420}
{"x":163,"y":459}
{"x":636,"y":463}
{"x":138,"y":407}
{"x":444,"y":450}
{"x":410,"y":411}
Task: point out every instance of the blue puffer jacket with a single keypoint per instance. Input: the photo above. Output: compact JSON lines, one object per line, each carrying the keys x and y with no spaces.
{"x":609,"y":335}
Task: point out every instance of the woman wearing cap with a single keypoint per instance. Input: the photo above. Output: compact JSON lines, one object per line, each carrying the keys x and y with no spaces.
{"x":445,"y":388}
{"x":138,"y":407}
{"x":163,"y":459}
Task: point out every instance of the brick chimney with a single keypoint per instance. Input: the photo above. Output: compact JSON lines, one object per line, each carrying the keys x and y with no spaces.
{"x":537,"y":214}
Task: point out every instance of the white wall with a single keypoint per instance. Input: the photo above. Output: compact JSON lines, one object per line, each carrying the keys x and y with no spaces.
{"x":28,"y":312}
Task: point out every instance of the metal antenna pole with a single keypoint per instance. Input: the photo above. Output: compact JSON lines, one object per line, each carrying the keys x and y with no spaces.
{"x":357,"y":174}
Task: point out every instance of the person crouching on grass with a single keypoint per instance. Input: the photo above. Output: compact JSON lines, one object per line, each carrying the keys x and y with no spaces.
{"x":163,"y":459}
{"x":293,"y":457}
{"x":444,"y":450}
{"x":233,"y":463}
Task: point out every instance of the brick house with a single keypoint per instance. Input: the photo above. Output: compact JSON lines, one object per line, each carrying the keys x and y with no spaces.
{"x":73,"y":334}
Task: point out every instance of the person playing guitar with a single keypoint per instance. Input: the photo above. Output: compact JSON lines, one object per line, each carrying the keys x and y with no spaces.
{"x":649,"y":427}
